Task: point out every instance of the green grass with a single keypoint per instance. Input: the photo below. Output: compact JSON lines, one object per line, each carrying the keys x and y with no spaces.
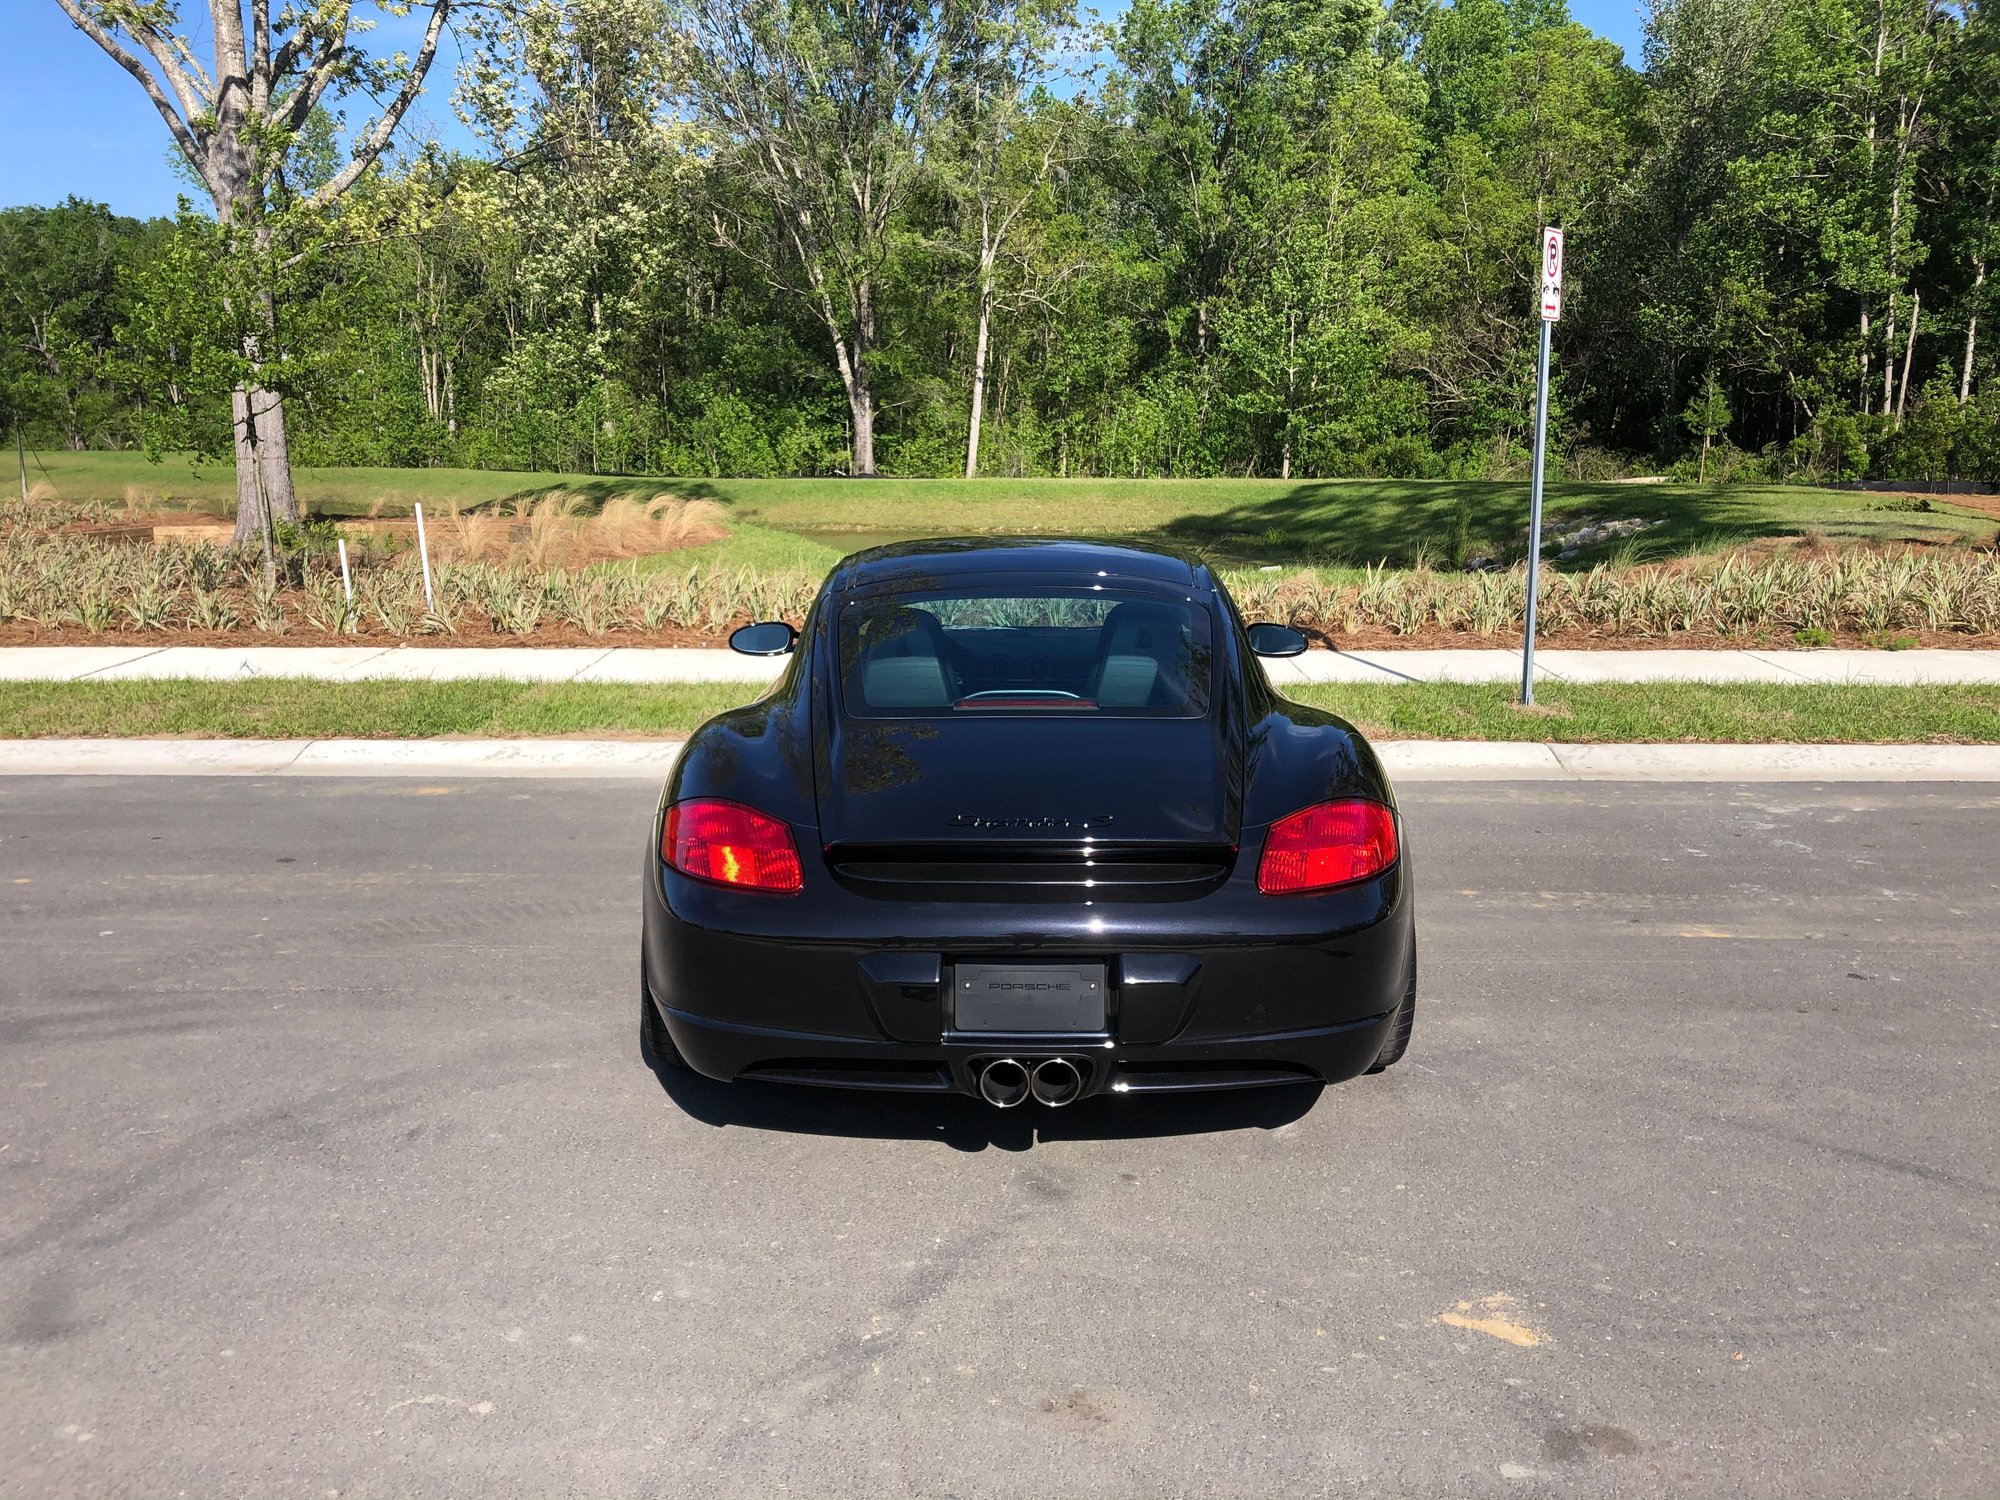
{"x":1700,"y":713}
{"x":284,"y":708}
{"x":1327,"y":521}
{"x":757,"y":548}
{"x":1589,"y":714}
{"x":1236,"y":520}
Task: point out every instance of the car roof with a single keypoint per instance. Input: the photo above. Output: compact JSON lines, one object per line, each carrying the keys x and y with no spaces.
{"x":958,"y":560}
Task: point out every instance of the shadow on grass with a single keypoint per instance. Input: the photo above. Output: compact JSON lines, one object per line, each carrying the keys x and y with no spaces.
{"x":593,"y":493}
{"x":1355,"y":522}
{"x":971,"y":1125}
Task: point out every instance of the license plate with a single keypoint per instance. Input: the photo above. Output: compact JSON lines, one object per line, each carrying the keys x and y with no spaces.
{"x":1028,"y":997}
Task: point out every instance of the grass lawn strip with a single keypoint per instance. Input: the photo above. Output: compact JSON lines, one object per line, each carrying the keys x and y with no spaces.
{"x":1350,"y":521}
{"x":1595,"y":713}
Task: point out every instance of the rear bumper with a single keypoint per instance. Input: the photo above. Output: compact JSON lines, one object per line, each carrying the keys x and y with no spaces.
{"x":1231,"y":989}
{"x":1325,"y":1055}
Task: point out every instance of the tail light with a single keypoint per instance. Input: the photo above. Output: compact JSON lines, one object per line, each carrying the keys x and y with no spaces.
{"x":730,"y":844}
{"x":1329,"y":844}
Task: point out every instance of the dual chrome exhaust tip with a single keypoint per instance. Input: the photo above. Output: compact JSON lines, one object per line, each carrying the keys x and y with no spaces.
{"x":1054,"y":1081}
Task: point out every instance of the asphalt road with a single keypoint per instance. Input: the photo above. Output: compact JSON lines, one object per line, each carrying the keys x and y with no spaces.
{"x":328,"y":1166}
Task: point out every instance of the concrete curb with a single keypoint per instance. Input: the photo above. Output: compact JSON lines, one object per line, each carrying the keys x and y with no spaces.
{"x":649,"y":759}
{"x":659,"y":664}
{"x":1407,"y":760}
{"x":1485,"y":760}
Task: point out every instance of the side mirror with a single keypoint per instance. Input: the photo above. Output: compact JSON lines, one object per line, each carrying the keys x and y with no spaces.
{"x":1276,"y":640}
{"x":765,"y":638}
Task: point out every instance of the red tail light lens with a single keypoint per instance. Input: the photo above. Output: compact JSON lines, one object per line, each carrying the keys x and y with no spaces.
{"x":730,"y":844}
{"x":1330,"y":844}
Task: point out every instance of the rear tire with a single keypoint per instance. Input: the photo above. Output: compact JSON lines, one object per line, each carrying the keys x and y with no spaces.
{"x":1400,"y":1028}
{"x":655,"y":1045}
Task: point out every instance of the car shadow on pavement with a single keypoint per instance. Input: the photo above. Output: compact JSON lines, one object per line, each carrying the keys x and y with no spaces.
{"x":970,"y":1125}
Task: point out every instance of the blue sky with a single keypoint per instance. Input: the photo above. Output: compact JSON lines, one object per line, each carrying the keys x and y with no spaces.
{"x":75,"y":123}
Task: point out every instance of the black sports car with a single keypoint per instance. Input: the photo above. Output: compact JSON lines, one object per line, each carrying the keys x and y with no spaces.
{"x":1024,"y":819}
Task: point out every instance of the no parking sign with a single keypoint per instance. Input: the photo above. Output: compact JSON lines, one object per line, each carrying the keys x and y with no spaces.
{"x":1552,"y":275}
{"x":1551,"y":308}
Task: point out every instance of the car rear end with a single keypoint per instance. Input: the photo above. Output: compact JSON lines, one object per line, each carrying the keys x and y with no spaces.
{"x":1033,"y":865}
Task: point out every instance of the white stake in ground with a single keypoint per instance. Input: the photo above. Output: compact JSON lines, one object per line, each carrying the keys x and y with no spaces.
{"x":346,"y":578}
{"x":424,"y":556}
{"x":1550,"y":309}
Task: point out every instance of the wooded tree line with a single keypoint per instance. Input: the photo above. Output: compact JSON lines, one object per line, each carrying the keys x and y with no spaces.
{"x":1267,"y":237}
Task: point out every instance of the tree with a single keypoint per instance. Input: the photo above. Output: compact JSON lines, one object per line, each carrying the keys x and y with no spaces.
{"x":573,"y":94}
{"x":1970,"y":177}
{"x":1707,"y":414}
{"x":237,"y":124}
{"x":60,"y":301}
{"x":821,"y":115}
{"x":1006,"y":144}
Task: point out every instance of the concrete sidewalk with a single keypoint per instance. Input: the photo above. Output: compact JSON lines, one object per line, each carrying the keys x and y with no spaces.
{"x":643,"y":664}
{"x":650,"y":760}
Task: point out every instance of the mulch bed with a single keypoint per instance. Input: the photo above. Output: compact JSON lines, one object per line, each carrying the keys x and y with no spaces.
{"x":15,"y":633}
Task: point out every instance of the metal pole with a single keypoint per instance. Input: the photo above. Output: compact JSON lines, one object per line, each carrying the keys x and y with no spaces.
{"x":21,"y":456}
{"x":1535,"y":515}
{"x":346,"y":578}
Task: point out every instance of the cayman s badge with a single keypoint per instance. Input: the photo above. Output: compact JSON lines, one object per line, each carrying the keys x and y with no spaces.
{"x":1028,"y":825}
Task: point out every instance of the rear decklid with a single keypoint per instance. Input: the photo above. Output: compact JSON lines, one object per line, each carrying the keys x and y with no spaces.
{"x":1004,"y":804}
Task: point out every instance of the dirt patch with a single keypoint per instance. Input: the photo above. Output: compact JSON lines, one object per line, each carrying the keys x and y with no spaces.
{"x":548,"y":531}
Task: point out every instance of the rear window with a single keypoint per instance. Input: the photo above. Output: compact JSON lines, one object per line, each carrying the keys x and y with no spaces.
{"x":1078,"y":651}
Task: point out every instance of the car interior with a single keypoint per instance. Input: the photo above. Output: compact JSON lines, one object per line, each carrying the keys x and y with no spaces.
{"x":1054,"y":653}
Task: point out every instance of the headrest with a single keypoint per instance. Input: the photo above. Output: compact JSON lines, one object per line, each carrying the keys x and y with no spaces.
{"x":907,"y":681}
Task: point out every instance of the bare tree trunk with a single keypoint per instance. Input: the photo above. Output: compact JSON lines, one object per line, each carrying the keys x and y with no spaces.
{"x":1291,"y":390}
{"x":1909,"y":353}
{"x":1965,"y":368}
{"x":1889,"y":358}
{"x":1865,"y":407}
{"x":275,"y":454}
{"x":850,"y":354}
{"x":1978,"y":282}
{"x":979,"y":374}
{"x":261,"y":445}
{"x":1881,"y":43}
{"x":1971,"y":334}
{"x":249,"y":515}
{"x":860,"y":408}
{"x":264,"y":448}
{"x":861,"y":403}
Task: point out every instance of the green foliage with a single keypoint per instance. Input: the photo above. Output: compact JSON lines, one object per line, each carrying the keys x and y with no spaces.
{"x":1255,"y":237}
{"x":61,"y":302}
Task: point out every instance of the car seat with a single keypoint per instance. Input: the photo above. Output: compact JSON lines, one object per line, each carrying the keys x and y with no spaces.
{"x":1142,"y":657}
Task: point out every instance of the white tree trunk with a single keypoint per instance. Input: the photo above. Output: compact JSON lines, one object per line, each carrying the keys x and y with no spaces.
{"x":1971,"y":334}
{"x":1965,"y":368}
{"x":979,"y":376}
{"x":1909,"y":353}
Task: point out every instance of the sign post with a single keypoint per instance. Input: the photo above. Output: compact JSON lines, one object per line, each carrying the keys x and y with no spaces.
{"x":1549,"y":309}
